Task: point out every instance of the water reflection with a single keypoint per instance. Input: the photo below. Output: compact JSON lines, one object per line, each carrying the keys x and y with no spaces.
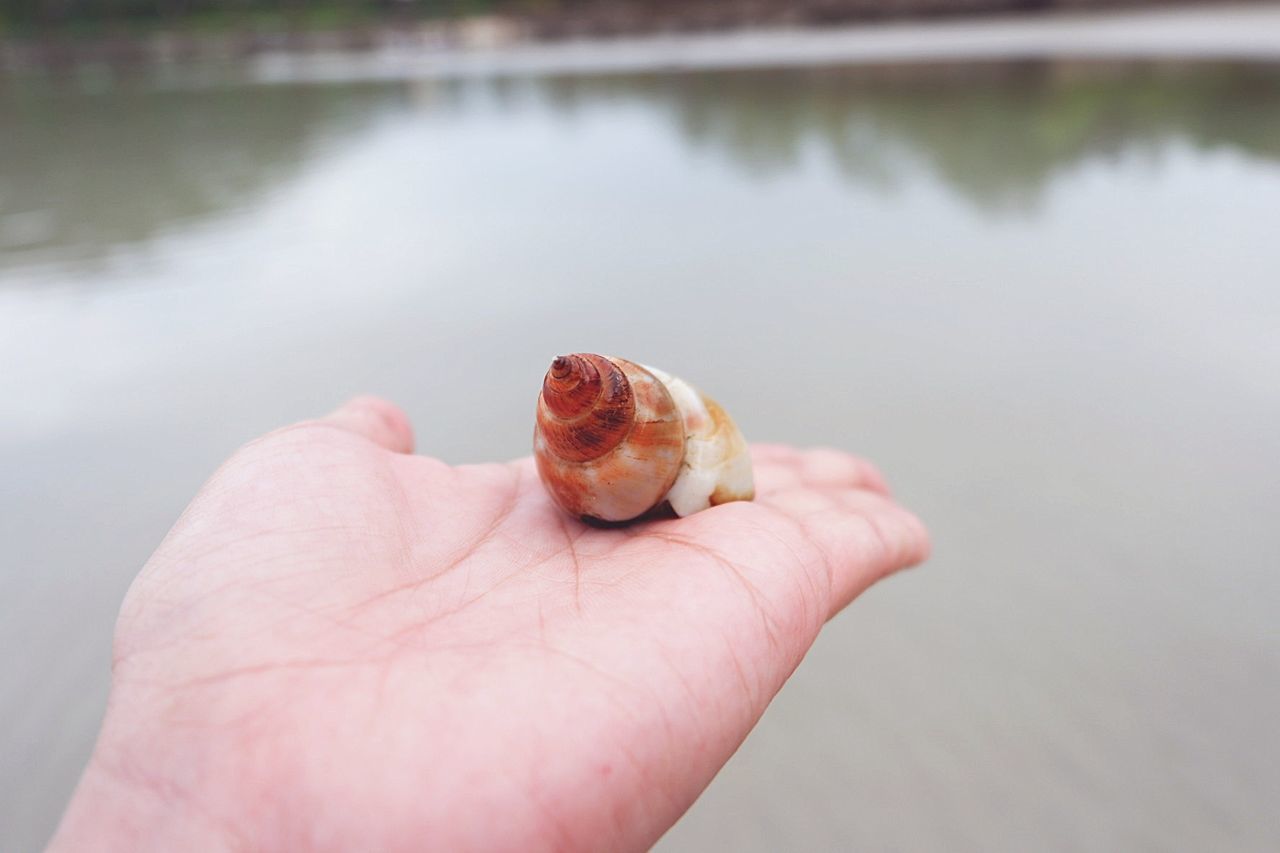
{"x":83,"y":173}
{"x":996,"y":134}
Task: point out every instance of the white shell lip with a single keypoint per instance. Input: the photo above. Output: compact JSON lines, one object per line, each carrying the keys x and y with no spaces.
{"x":717,"y":464}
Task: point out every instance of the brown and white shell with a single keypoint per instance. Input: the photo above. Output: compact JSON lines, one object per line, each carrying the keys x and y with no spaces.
{"x":615,"y":439}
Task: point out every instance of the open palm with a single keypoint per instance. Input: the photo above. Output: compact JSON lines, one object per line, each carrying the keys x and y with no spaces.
{"x":341,"y":646}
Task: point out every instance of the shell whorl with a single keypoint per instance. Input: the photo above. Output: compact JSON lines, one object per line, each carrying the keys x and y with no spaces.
{"x":609,"y":438}
{"x":587,"y":407}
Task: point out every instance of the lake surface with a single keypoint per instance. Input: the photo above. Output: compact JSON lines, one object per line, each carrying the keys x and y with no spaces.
{"x":1044,"y":297}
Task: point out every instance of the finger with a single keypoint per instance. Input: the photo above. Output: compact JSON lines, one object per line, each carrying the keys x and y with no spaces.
{"x":796,"y":500}
{"x":865,"y":544}
{"x":903,"y":537}
{"x":862,"y":535}
{"x":761,"y":452}
{"x":904,"y":534}
{"x":378,"y":420}
{"x":826,"y":468}
{"x":771,"y":477}
{"x":780,"y":466}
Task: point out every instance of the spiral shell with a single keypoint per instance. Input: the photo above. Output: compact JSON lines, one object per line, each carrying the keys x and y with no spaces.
{"x":614,"y":440}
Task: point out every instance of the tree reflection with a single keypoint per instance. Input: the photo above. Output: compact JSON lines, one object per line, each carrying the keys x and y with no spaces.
{"x":995,"y":133}
{"x":83,"y":173}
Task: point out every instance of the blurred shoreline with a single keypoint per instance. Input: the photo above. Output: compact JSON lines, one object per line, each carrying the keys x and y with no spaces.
{"x":511,"y":44}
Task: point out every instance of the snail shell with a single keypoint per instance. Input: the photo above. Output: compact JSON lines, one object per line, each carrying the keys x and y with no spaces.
{"x":615,"y":439}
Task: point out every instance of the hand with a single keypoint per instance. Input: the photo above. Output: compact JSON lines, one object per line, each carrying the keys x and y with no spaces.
{"x":340,"y":646}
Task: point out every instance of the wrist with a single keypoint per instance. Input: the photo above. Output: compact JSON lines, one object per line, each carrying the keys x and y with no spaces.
{"x":118,"y":806}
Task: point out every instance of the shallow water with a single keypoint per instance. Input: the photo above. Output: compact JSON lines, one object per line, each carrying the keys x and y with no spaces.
{"x":1043,"y":297}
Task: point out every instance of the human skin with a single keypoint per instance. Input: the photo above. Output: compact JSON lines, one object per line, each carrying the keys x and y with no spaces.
{"x":342,"y":646}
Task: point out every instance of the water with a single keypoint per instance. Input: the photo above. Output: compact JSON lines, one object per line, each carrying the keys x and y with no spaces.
{"x":1043,"y":296}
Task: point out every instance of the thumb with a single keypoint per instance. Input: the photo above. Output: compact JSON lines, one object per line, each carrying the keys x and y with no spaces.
{"x":382,"y":422}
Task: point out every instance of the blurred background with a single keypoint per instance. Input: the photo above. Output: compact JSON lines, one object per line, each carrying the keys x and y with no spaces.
{"x":1024,"y":255}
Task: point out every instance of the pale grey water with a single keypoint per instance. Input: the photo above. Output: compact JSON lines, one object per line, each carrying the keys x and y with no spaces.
{"x":1045,"y":298}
